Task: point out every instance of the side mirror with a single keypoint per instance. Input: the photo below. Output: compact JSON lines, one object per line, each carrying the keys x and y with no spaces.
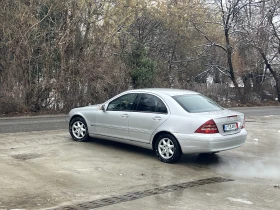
{"x":103,"y":107}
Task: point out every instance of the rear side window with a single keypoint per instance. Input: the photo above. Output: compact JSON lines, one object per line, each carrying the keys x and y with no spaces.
{"x":197,"y":103}
{"x":151,"y":103}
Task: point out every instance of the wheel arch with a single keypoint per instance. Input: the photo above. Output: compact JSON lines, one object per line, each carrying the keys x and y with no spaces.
{"x":161,"y":133}
{"x":76,"y":115}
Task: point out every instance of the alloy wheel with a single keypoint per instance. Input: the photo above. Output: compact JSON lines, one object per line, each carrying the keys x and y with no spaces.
{"x":79,"y":129}
{"x":166,"y":148}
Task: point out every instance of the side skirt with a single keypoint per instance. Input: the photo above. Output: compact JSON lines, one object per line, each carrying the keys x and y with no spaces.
{"x":125,"y":141}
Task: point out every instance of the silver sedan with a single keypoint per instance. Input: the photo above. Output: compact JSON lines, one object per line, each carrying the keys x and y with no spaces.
{"x":171,"y":122}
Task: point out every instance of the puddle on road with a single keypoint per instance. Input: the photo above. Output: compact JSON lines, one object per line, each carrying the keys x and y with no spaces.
{"x":27,"y":156}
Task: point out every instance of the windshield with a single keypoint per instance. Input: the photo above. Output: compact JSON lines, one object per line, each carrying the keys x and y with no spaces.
{"x":197,"y":103}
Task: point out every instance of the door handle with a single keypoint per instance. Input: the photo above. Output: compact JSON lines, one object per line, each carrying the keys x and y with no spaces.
{"x":124,"y":115}
{"x":156,"y":118}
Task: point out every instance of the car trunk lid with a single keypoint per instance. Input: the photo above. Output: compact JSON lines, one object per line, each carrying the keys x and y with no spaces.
{"x":228,"y":122}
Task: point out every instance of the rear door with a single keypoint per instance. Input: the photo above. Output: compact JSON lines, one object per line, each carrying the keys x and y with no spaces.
{"x":150,"y":113}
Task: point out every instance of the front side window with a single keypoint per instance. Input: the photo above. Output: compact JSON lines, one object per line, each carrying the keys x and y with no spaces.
{"x":151,"y":103}
{"x":196,"y":103}
{"x":122,"y":103}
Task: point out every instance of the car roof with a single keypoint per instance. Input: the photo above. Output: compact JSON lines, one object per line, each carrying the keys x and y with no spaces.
{"x":167,"y":91}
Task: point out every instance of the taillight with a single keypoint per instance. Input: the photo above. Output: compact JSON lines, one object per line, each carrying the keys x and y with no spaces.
{"x":243,"y":125}
{"x":208,"y":128}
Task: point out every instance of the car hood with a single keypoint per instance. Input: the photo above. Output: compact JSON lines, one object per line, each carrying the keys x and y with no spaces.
{"x":96,"y":106}
{"x":91,"y":107}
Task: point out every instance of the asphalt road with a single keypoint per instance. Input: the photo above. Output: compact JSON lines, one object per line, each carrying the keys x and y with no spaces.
{"x":57,"y":122}
{"x":258,"y":111}
{"x":27,"y":124}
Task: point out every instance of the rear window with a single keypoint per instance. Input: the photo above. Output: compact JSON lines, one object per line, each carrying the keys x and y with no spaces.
{"x":197,"y":103}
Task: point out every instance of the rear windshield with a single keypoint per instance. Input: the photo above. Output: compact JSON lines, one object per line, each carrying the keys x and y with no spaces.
{"x":197,"y":103}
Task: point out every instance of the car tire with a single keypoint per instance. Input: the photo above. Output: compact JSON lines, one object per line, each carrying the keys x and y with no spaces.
{"x":167,"y":148}
{"x":78,"y":129}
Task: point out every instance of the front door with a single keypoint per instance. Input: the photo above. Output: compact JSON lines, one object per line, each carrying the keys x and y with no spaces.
{"x":113,"y":122}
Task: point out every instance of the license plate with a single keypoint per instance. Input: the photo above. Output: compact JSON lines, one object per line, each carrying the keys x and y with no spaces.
{"x":230,"y":127}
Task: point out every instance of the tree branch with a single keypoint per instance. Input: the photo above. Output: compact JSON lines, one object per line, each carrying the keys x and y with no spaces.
{"x":39,"y":21}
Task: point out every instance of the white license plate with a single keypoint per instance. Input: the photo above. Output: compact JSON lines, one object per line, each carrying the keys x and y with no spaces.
{"x":230,"y":127}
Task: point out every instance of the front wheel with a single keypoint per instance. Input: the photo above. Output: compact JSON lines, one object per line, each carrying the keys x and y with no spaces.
{"x":78,"y":129}
{"x":167,"y":148}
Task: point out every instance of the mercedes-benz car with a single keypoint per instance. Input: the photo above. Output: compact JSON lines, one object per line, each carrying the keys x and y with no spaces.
{"x":171,"y":122}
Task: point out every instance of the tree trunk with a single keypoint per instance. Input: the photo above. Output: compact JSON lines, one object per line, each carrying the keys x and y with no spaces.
{"x":274,"y":74}
{"x":230,"y":65}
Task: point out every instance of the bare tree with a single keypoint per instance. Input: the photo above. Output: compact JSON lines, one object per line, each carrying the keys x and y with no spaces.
{"x":57,"y":54}
{"x":226,"y":17}
{"x":260,"y":31}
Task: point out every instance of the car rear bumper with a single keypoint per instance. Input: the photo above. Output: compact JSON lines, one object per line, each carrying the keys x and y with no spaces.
{"x":206,"y":143}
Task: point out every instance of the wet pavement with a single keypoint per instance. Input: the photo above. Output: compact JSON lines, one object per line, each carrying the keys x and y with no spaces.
{"x":47,"y":170}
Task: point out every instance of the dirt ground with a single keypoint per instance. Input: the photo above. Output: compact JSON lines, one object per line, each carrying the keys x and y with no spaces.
{"x":47,"y":170}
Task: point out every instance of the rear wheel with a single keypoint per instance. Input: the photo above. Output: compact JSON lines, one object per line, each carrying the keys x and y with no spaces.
{"x":167,"y":148}
{"x":78,"y":129}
